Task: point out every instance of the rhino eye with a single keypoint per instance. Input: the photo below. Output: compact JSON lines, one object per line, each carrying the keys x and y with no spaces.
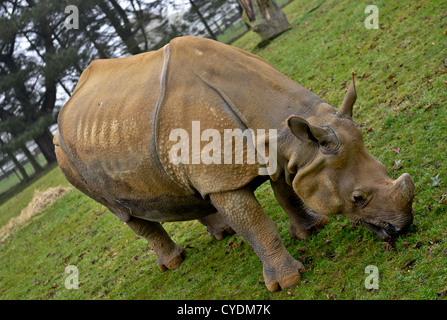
{"x":358,"y":198}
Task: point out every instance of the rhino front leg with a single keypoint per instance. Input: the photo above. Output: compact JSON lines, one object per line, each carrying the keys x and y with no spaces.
{"x":169,"y":254}
{"x":243,"y":212}
{"x":216,"y":225}
{"x":303,"y":221}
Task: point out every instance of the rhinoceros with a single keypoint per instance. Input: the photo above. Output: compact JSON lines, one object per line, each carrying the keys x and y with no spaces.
{"x":114,"y":143}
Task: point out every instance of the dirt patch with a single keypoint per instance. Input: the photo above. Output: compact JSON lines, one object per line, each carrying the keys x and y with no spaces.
{"x":40,"y":201}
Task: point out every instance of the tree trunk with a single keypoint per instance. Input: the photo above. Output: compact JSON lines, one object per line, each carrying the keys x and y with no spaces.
{"x":265,"y":18}
{"x":121,"y":24}
{"x":45,"y":143}
{"x":196,"y":9}
{"x":19,"y":166}
{"x":36,"y":166}
{"x":16,"y":162}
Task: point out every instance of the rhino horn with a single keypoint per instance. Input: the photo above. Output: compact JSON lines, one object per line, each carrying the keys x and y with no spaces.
{"x":349,"y":100}
{"x":405,"y":185}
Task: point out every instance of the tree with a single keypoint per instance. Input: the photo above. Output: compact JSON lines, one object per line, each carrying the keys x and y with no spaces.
{"x":39,"y":59}
{"x":29,"y":82}
{"x":16,"y":162}
{"x":202,"y":19}
{"x":121,"y":23}
{"x":209,"y":18}
{"x":265,"y":18}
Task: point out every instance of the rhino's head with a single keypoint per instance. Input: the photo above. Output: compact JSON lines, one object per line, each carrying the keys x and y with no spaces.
{"x":342,"y":177}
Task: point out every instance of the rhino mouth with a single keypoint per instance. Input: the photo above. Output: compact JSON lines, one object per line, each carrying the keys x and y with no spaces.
{"x":385,"y":231}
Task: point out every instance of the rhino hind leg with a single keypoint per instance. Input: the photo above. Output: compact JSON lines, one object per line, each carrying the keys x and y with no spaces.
{"x":217,"y":227}
{"x":303,"y":221}
{"x":244,"y":213}
{"x":169,"y":254}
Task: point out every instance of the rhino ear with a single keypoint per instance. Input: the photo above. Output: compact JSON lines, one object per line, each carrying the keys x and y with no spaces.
{"x":304,"y":131}
{"x":349,"y":100}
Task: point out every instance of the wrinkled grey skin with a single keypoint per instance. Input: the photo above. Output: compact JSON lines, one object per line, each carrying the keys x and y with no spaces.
{"x":113,"y":144}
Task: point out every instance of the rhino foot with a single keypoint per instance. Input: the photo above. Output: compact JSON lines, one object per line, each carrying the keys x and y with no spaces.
{"x":172,"y":260}
{"x":169,"y":254}
{"x":286,"y":275}
{"x":303,"y":228}
{"x":217,"y":227}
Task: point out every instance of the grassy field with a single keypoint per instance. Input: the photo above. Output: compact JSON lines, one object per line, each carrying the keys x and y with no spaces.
{"x":13,"y":206}
{"x":13,"y":180}
{"x":401,"y":84}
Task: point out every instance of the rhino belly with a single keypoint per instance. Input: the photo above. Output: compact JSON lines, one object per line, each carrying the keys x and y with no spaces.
{"x":131,"y":182}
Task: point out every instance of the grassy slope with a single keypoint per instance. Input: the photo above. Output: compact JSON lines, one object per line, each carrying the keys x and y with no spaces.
{"x":13,"y":206}
{"x":319,"y":52}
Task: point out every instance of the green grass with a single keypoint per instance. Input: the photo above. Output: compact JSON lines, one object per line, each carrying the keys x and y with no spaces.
{"x":319,"y":53}
{"x":12,"y":207}
{"x":232,"y":33}
{"x":13,"y":180}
